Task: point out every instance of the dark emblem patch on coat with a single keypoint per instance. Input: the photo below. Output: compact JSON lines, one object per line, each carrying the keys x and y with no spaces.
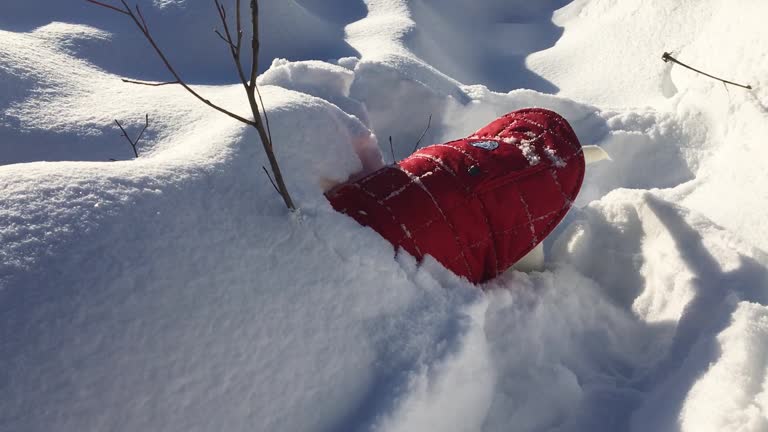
{"x":487,"y":145}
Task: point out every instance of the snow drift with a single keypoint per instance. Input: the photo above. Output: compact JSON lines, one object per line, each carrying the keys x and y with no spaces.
{"x":173,"y":292}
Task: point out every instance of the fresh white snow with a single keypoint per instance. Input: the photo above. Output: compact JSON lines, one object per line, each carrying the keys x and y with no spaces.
{"x":174,"y":292}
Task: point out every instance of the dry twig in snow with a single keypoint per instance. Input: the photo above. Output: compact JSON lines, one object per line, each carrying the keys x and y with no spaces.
{"x":234,"y":44}
{"x":135,"y":142}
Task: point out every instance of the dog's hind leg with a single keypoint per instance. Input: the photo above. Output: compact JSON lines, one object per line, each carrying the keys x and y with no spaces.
{"x":593,"y":153}
{"x":532,"y":261}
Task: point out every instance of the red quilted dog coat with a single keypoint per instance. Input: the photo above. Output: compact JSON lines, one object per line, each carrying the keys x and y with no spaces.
{"x":477,"y":204}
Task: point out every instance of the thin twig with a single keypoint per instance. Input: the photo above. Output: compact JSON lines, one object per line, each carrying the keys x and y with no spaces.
{"x":270,"y":179}
{"x":264,"y":111}
{"x":141,"y":134}
{"x":239,"y":28}
{"x":223,"y":18}
{"x":253,"y":92}
{"x":429,"y":123}
{"x":667,"y":57}
{"x":254,"y":42}
{"x":125,"y":134}
{"x":392,"y":149}
{"x":143,"y":21}
{"x":116,"y":9}
{"x":224,"y":39}
{"x":148,"y":83}
{"x":251,"y":89}
{"x":234,"y":49}
{"x":134,"y":143}
{"x":145,"y":31}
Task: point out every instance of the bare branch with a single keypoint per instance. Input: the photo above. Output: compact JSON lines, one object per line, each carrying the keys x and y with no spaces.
{"x":218,"y":33}
{"x":252,"y":92}
{"x":667,"y":57}
{"x":148,"y":83}
{"x":141,"y":134}
{"x":143,"y":21}
{"x":392,"y":149}
{"x":238,"y":27}
{"x":228,"y":39}
{"x":134,"y":143}
{"x":254,"y":42}
{"x":234,"y":49}
{"x":429,"y":123}
{"x":116,"y":9}
{"x":264,"y":110}
{"x":125,"y":134}
{"x":270,"y":179}
{"x":144,"y":29}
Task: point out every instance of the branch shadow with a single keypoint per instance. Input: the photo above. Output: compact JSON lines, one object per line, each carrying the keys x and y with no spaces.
{"x":694,"y":345}
{"x":650,"y":392}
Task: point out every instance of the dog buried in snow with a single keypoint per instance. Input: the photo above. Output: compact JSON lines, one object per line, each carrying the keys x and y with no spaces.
{"x":481,"y":204}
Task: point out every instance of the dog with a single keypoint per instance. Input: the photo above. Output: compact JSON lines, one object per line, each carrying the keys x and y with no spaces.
{"x":481,"y":204}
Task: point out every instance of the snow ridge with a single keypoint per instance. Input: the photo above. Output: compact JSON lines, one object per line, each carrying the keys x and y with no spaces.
{"x":173,"y":292}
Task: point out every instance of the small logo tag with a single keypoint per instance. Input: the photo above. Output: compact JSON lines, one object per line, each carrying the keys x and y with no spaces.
{"x":486,"y":145}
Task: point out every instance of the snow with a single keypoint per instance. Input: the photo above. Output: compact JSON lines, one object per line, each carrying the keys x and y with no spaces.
{"x":174,"y":292}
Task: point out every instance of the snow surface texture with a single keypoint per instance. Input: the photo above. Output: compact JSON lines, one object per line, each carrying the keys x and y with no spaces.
{"x":174,"y":293}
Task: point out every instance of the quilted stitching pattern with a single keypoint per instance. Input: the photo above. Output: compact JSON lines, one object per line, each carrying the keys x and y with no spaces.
{"x":476,"y":209}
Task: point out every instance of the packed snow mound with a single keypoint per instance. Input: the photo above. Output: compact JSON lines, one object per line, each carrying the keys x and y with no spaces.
{"x":174,"y":292}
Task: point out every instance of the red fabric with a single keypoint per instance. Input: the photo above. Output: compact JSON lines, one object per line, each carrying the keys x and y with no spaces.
{"x":476,"y":210}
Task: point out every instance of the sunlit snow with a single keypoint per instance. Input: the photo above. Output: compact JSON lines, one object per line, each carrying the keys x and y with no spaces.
{"x":174,"y":292}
